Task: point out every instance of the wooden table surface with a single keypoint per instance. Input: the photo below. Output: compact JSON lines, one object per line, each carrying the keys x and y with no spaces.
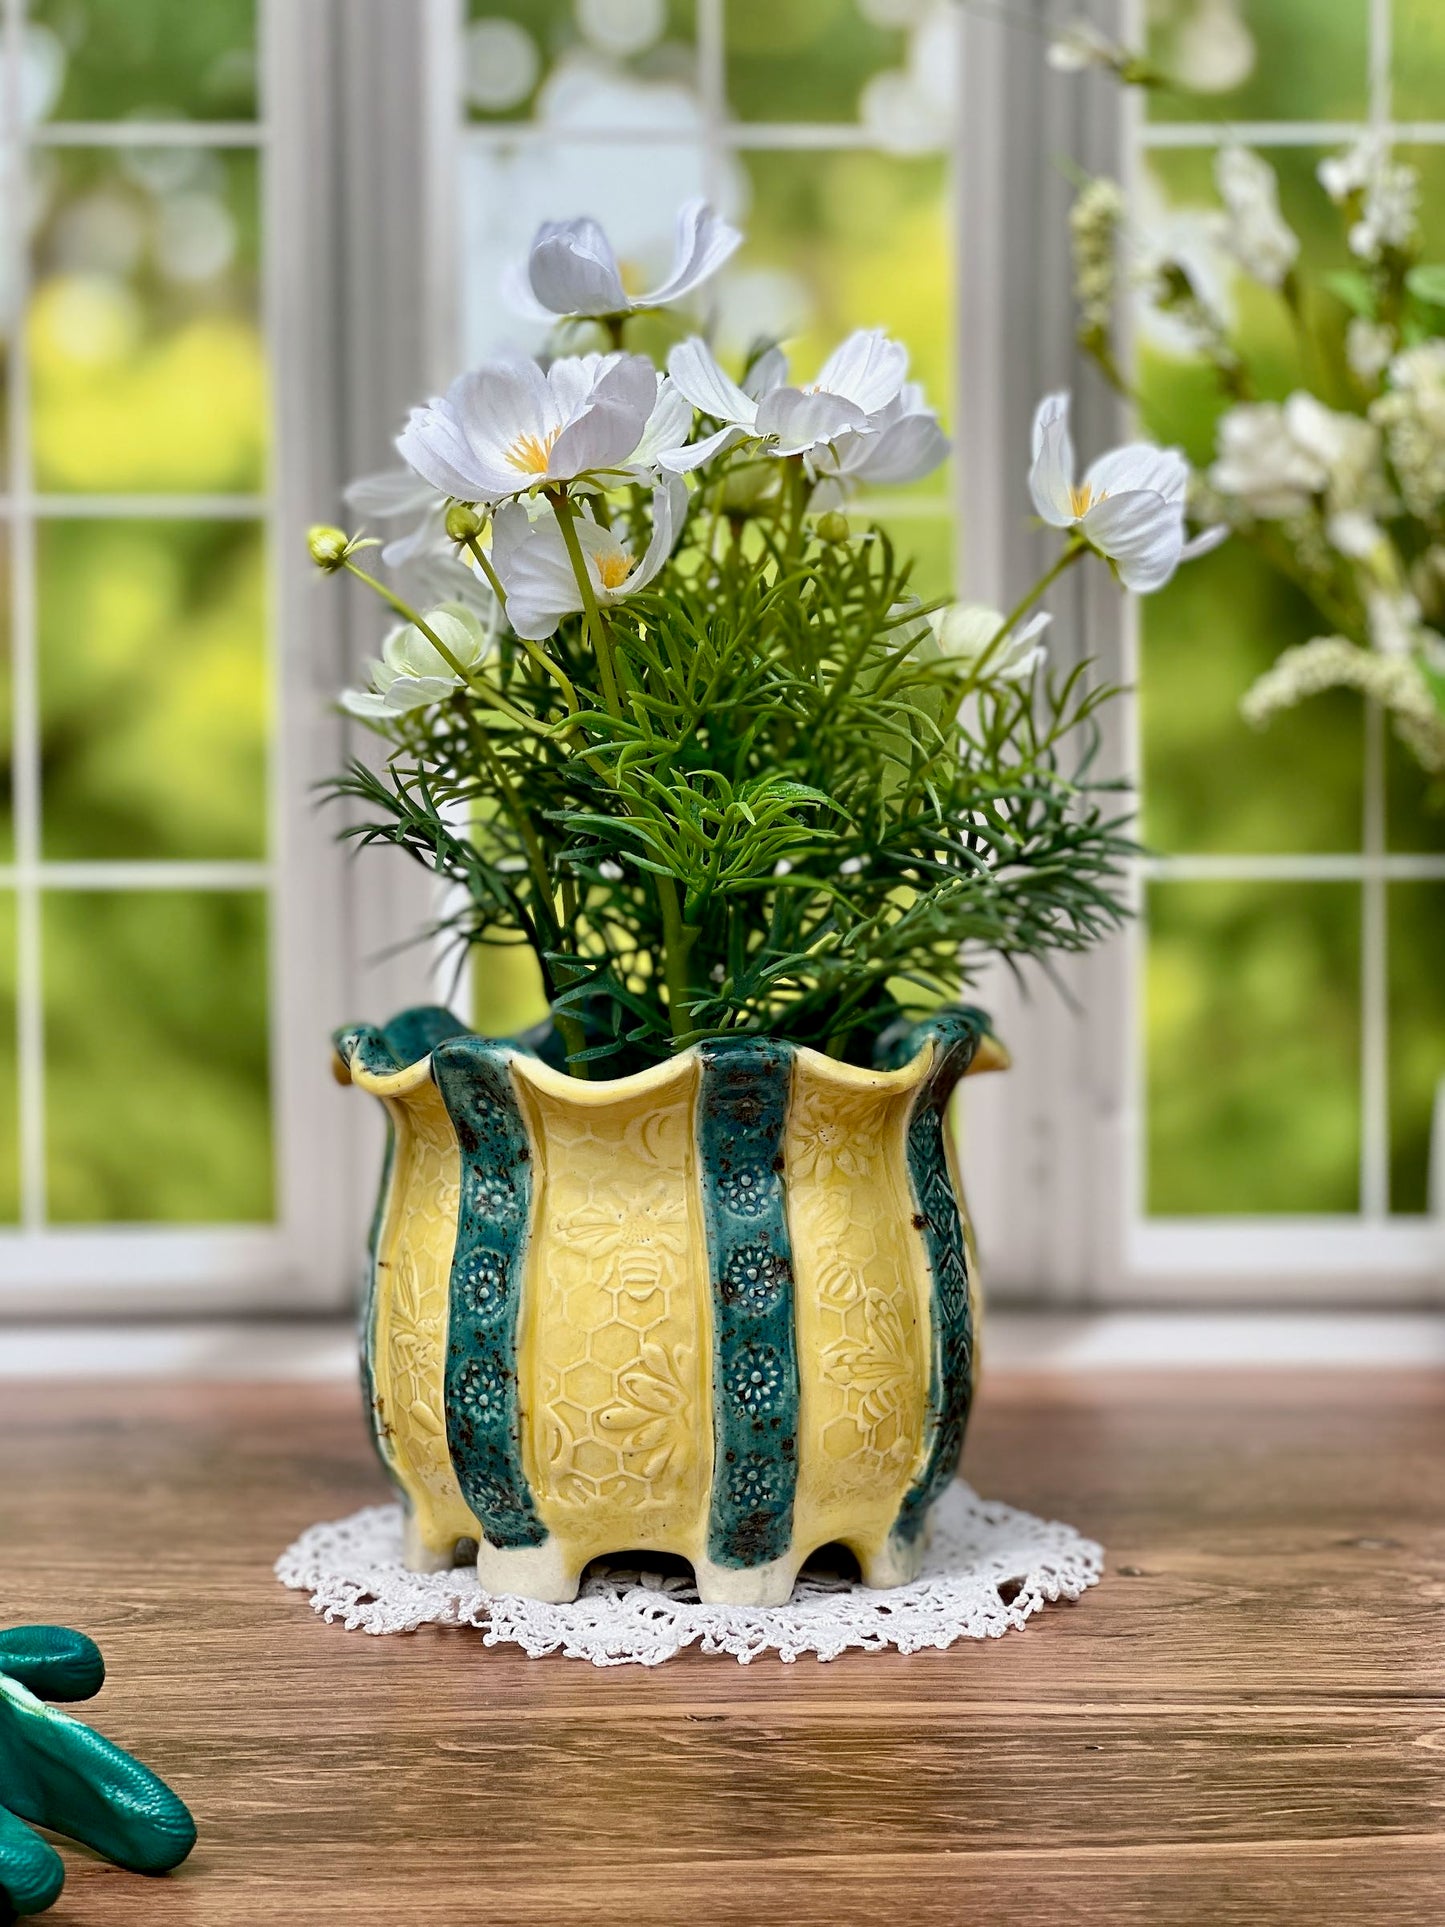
{"x":1244,"y":1723}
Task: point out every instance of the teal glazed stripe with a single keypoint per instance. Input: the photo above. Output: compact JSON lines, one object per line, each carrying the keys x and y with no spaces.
{"x":954,"y":1035}
{"x":742,"y":1110}
{"x":484,"y":1434}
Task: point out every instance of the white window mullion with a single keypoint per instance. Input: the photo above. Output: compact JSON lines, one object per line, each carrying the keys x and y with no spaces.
{"x":1374,"y":904}
{"x":25,"y":694}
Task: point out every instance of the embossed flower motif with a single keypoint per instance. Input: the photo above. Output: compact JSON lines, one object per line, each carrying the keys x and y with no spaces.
{"x":482,"y":1283}
{"x":753,"y":1277}
{"x":755,"y":1378}
{"x":493,"y":1197}
{"x":647,"y":1420}
{"x":481,"y":1390}
{"x":745,"y":1190}
{"x":825,"y":1147}
{"x":875,"y":1365}
{"x":753,"y":1481}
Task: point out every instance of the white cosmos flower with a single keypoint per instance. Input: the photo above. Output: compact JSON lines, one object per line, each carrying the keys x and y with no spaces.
{"x":966,"y":632}
{"x":507,"y":427}
{"x":1129,"y":506}
{"x":536,"y":571}
{"x":1384,"y":193}
{"x":1369,"y":346}
{"x":572,"y":269}
{"x":902,"y":443}
{"x":852,"y":389}
{"x":1278,"y":459}
{"x":1252,"y":229}
{"x":411,"y":674}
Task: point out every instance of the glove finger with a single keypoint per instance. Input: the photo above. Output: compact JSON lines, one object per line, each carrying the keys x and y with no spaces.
{"x":59,"y":1774}
{"x":54,"y":1662}
{"x":31,"y":1873}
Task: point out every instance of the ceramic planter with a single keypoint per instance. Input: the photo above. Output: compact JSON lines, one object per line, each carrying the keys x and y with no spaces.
{"x":723,"y":1308}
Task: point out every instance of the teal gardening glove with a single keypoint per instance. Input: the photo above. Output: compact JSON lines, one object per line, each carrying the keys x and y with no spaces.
{"x":56,"y":1773}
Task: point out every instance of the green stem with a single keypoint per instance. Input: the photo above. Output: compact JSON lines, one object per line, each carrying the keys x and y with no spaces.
{"x":677,"y":941}
{"x":539,"y":656}
{"x":1076,"y":547}
{"x":601,"y":640}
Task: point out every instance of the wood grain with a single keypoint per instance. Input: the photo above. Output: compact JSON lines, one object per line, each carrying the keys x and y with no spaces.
{"x":1244,"y":1723}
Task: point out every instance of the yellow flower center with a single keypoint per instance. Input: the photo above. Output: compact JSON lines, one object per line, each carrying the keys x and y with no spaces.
{"x":530,"y":453}
{"x":614,"y":568}
{"x":1082,"y":498}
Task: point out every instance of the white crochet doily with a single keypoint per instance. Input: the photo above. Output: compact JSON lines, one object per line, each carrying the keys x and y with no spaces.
{"x":988,"y":1570}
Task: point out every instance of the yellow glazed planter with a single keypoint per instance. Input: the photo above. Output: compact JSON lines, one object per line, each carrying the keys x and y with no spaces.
{"x":724,"y":1308}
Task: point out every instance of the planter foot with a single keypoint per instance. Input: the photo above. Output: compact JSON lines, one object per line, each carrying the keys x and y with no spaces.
{"x":419,"y":1556}
{"x":769,"y":1585}
{"x":894,"y":1563}
{"x":546,"y":1572}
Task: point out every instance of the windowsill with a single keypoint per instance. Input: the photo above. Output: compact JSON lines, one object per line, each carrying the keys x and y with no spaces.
{"x":1014,"y":1340}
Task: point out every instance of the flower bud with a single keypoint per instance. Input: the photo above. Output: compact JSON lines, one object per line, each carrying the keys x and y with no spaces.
{"x":464,"y":522}
{"x":329,"y":547}
{"x":833,"y":527}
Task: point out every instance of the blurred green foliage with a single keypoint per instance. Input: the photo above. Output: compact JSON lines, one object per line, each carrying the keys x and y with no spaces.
{"x":1253,"y":1003}
{"x":155,"y":1042}
{"x":152,"y":689}
{"x":1311,"y":62}
{"x":158,"y":59}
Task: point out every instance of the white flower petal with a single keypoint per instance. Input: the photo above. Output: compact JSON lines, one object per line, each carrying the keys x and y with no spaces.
{"x":704,"y":242}
{"x":1141,"y":533}
{"x":539,"y":579}
{"x":433,"y":445}
{"x":800,"y":420}
{"x":904,"y":451}
{"x":572,"y":269}
{"x":768,"y":372}
{"x":694,"y":368}
{"x":364,"y":703}
{"x":391,"y":491}
{"x":1205,"y":542}
{"x":1051,"y":476}
{"x":682,"y":461}
{"x":669,"y":511}
{"x":868,"y":369}
{"x":1139,"y":465}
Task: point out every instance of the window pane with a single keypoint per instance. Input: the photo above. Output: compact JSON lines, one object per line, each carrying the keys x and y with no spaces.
{"x":156,"y":1080}
{"x":886,"y":63}
{"x":145,"y":347}
{"x":846,"y":240}
{"x":1212,"y":783}
{"x":1417,"y":1034}
{"x":1253,"y":1048}
{"x":1262,"y":59}
{"x":569,"y":60}
{"x":153,"y":690}
{"x":7,"y":794}
{"x":9,"y":1120}
{"x":161,"y":59}
{"x":1418,"y":50}
{"x":634,"y":190}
